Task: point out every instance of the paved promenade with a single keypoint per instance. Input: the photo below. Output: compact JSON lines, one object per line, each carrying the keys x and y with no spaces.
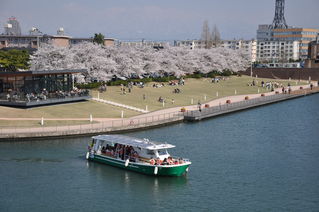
{"x":221,"y":101}
{"x":152,"y":119}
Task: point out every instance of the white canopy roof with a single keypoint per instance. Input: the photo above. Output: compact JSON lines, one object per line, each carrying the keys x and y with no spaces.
{"x":135,"y":142}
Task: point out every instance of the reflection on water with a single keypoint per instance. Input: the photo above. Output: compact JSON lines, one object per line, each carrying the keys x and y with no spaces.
{"x":273,"y":167}
{"x":39,"y":160}
{"x":129,"y":178}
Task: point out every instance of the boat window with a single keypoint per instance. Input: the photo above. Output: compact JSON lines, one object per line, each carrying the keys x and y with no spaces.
{"x":150,"y":152}
{"x":162,"y":152}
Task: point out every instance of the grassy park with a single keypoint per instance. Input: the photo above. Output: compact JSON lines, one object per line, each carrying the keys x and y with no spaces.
{"x":194,"y":90}
{"x":36,"y":123}
{"x":62,"y":111}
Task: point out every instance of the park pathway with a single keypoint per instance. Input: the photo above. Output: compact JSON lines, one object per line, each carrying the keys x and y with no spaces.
{"x":120,"y":105}
{"x":220,"y":101}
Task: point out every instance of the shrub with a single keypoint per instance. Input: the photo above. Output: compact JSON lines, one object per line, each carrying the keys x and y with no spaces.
{"x":91,"y":85}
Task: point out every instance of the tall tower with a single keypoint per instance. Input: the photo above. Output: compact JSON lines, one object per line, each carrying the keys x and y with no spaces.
{"x":279,"y":20}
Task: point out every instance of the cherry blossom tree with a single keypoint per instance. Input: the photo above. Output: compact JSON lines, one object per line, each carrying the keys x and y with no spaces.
{"x":104,"y":62}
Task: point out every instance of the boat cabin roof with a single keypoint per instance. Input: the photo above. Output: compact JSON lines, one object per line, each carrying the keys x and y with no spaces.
{"x":135,"y":142}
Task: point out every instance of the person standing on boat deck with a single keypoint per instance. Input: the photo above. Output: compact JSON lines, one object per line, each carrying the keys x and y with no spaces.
{"x":127,"y":152}
{"x":123,"y":152}
{"x":119,"y":151}
{"x":199,"y":106}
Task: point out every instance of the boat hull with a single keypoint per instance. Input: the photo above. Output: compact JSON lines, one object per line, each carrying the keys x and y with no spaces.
{"x":156,"y":170}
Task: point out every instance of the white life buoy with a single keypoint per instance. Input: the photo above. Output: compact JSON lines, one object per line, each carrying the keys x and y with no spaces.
{"x":87,"y":155}
{"x":127,"y":162}
{"x":155,"y":170}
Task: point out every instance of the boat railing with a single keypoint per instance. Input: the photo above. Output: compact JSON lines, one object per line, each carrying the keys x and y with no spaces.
{"x":186,"y":160}
{"x":180,"y":158}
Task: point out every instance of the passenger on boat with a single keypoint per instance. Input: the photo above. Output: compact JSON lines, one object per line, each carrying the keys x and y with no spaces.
{"x":180,"y":161}
{"x":152,"y":161}
{"x":158,"y":161}
{"x":165,"y":162}
{"x":128,"y":151}
{"x":170,"y":160}
{"x":133,"y":155}
{"x":122,"y":152}
{"x":103,"y":150}
{"x":118,"y":151}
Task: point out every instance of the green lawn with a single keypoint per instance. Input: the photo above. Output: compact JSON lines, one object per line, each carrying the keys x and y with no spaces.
{"x":71,"y":110}
{"x":33,"y":123}
{"x":195,"y":89}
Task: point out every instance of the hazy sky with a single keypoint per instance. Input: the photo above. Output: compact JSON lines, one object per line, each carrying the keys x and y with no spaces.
{"x":154,"y":19}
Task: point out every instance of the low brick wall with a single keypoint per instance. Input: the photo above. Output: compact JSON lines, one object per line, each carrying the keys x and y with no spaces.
{"x":285,"y":73}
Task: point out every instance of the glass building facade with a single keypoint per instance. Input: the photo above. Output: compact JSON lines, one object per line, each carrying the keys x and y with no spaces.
{"x":39,"y":87}
{"x":36,"y":83}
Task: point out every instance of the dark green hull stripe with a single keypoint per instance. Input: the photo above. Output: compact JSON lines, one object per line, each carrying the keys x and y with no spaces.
{"x":145,"y":169}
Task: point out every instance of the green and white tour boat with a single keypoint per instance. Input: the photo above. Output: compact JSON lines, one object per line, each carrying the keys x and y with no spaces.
{"x":140,"y":155}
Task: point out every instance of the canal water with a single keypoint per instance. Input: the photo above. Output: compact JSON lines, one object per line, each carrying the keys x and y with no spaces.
{"x":263,"y":159}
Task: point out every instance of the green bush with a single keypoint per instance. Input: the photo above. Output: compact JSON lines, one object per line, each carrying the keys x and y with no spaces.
{"x":227,"y":73}
{"x":91,"y":85}
{"x":164,"y":79}
{"x":195,"y":75}
{"x":117,"y":82}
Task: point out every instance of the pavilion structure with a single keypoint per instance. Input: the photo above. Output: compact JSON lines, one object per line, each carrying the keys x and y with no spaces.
{"x":36,"y":88}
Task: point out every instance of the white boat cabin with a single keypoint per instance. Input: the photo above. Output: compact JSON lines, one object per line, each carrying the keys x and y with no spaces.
{"x":124,"y":147}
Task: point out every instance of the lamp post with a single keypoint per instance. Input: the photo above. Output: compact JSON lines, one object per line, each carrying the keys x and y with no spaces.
{"x":251,"y":60}
{"x":251,"y":68}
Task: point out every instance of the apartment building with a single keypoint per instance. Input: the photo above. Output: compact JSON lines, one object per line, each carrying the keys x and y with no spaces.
{"x":192,"y":44}
{"x":278,"y":51}
{"x":248,"y":45}
{"x":303,"y":35}
{"x":12,"y":38}
{"x":313,"y":55}
{"x":33,"y":41}
{"x":140,"y":43}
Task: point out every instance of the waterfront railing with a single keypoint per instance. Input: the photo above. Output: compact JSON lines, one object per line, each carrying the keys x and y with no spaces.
{"x":92,"y":128}
{"x":236,"y":106}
